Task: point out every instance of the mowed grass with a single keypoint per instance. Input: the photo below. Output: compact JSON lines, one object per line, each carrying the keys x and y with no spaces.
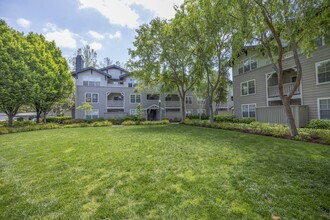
{"x":161,"y":172}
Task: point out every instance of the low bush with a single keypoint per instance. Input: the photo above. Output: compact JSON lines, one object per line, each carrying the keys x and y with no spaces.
{"x":73,"y":121}
{"x":101,"y":123}
{"x":131,"y":122}
{"x":224,"y":118}
{"x":244,"y":120}
{"x":202,"y":117}
{"x":319,"y":124}
{"x":58,"y":119}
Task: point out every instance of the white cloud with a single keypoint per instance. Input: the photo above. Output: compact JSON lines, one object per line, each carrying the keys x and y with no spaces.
{"x":117,"y":34}
{"x":96,"y":46}
{"x":62,"y":37}
{"x":23,"y":23}
{"x":116,"y":11}
{"x":161,"y":8}
{"x":121,"y":12}
{"x":96,"y":35}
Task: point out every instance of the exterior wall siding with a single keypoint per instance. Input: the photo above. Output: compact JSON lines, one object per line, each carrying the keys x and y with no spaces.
{"x":310,"y":89}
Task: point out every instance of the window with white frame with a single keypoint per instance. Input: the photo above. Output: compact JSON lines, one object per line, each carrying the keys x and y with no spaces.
{"x":94,"y":114}
{"x":132,"y":112}
{"x":249,"y":110}
{"x":189,"y":112}
{"x":201,"y":111}
{"x":135,"y":98}
{"x":189,"y":100}
{"x":247,"y":65}
{"x":323,"y":71}
{"x":248,"y":87}
{"x":91,"y":81}
{"x":132,"y":82}
{"x":91,"y":97}
{"x":324,"y":108}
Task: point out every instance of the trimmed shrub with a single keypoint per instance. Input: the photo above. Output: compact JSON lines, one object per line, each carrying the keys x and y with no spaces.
{"x":224,"y":118}
{"x":58,"y":119}
{"x":202,"y":116}
{"x":319,"y":124}
{"x":244,"y":120}
{"x":101,"y":123}
{"x":128,"y":122}
{"x":73,"y":121}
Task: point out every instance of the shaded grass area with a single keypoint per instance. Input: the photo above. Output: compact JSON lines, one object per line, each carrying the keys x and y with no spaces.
{"x":166,"y":171}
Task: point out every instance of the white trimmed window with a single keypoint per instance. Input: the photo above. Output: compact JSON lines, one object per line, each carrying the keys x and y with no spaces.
{"x":132,"y":82}
{"x":201,"y":111}
{"x":189,"y":112}
{"x":189,"y":100}
{"x":91,"y":81}
{"x":135,"y":98}
{"x":249,"y":110}
{"x":323,"y":71}
{"x":247,"y":65}
{"x":324,"y":108}
{"x":132,"y":112}
{"x":94,"y":114}
{"x":91,"y":97}
{"x":248,"y":87}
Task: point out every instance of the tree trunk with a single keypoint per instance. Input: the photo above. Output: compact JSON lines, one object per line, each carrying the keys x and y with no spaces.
{"x":10,"y":120}
{"x":211,"y":108}
{"x":45,"y":113}
{"x":183,"y":107}
{"x":38,"y":116}
{"x":289,"y":115}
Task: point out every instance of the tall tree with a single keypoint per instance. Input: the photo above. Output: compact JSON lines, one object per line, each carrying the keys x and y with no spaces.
{"x":281,"y":26}
{"x":163,"y":58}
{"x":52,"y":80}
{"x":14,"y":73}
{"x":106,"y":62}
{"x":213,"y":31}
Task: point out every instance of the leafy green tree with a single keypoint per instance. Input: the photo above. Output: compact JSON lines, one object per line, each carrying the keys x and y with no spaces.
{"x":163,"y":58}
{"x":15,"y":77}
{"x":86,"y":107}
{"x":283,"y":26}
{"x":139,"y":113}
{"x":52,"y":81}
{"x":213,"y":32}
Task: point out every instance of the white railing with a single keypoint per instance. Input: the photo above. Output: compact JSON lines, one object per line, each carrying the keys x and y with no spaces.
{"x":115,"y":103}
{"x":287,"y":87}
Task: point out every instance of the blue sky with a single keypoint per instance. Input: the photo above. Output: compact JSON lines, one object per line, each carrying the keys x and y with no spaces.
{"x":107,"y":25}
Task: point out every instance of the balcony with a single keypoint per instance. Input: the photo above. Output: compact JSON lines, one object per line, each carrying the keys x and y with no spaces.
{"x":287,"y":87}
{"x":115,"y":104}
{"x":172,"y":104}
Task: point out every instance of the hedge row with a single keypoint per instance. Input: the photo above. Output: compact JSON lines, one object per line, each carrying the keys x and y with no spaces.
{"x":6,"y":130}
{"x":275,"y":130}
{"x":130,"y":122}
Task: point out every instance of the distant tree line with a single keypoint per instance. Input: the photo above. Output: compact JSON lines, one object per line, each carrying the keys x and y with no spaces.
{"x":33,"y":73}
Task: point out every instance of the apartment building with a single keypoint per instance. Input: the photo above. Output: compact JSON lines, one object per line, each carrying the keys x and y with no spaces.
{"x":255,"y":87}
{"x":111,"y":91}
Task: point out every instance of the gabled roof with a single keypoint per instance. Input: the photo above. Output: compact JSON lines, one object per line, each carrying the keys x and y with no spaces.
{"x":102,"y":71}
{"x":91,"y":68}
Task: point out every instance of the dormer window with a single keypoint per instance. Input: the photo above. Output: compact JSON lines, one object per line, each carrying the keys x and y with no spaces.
{"x":91,"y":81}
{"x":247,"y":65}
{"x":132,"y":83}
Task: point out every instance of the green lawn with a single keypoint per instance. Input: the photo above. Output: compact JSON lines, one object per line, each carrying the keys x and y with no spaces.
{"x":161,"y":172}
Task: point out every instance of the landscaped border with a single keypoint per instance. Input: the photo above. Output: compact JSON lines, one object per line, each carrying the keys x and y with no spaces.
{"x":321,"y":136}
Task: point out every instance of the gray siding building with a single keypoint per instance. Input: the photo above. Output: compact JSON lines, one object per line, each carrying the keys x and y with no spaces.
{"x":255,"y":87}
{"x":111,"y":91}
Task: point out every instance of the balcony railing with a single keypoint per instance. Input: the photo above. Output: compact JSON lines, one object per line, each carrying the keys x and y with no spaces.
{"x":287,"y":87}
{"x":115,"y":103}
{"x":172,"y":104}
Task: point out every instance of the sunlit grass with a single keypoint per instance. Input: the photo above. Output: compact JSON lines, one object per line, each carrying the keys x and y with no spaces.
{"x":167,"y":172}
